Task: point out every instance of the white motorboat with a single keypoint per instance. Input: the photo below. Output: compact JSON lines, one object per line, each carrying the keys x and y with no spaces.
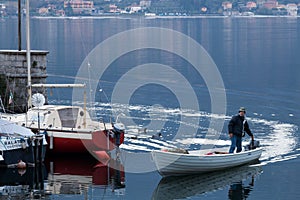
{"x":170,"y":162}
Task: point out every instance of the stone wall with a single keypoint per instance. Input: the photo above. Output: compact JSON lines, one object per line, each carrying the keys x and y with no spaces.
{"x":14,"y":79}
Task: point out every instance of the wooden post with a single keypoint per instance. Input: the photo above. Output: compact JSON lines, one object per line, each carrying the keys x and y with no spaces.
{"x":19,"y":26}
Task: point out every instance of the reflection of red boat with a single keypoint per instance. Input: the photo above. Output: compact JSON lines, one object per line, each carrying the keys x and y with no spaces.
{"x":70,"y":129}
{"x":113,"y":171}
{"x":74,"y":175}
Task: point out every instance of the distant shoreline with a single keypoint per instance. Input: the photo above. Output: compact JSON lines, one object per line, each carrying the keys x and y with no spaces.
{"x":155,"y":17}
{"x":160,"y":17}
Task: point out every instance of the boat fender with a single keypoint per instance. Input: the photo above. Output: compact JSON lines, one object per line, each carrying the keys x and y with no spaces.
{"x":21,"y":164}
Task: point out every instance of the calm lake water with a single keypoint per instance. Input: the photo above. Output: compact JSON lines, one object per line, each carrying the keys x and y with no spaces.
{"x":258,"y":60}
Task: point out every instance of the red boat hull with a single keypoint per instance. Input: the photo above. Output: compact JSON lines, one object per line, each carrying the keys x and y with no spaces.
{"x":98,"y":142}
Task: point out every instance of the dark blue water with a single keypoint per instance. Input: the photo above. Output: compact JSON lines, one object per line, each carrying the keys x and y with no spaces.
{"x":258,"y":60}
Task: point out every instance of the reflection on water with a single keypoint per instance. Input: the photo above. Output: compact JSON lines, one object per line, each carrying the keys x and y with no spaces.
{"x":189,"y":186}
{"x":22,"y":183}
{"x":239,"y":191}
{"x":82,"y":174}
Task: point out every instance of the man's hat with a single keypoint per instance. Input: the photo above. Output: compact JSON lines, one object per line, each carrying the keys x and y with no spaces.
{"x":242,"y":109}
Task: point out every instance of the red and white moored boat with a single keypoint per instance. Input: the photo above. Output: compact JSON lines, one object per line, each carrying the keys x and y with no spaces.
{"x":70,"y":129}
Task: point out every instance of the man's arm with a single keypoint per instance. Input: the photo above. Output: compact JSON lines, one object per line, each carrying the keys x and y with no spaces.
{"x":248,"y":131}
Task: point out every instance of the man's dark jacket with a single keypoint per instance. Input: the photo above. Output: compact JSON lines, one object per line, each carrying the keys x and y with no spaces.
{"x":235,"y":126}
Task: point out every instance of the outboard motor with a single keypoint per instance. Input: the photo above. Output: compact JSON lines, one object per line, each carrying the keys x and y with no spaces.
{"x":118,"y":129}
{"x":253,"y":144}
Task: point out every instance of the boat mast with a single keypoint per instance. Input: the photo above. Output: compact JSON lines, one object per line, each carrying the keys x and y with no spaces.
{"x":29,"y":104}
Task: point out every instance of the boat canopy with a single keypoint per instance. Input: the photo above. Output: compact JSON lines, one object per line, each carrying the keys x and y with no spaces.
{"x":8,"y":127}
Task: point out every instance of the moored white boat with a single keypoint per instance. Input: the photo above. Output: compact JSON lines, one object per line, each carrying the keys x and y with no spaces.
{"x":172,"y":163}
{"x":70,"y":129}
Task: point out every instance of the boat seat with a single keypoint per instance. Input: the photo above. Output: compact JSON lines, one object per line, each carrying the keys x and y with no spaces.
{"x":177,"y":150}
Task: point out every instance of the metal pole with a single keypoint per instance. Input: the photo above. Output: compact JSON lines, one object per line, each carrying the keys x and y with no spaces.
{"x":84,"y":108}
{"x":28,"y":54}
{"x":2,"y":104}
{"x":19,"y":25}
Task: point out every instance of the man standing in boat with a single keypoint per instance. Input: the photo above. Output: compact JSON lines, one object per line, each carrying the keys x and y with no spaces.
{"x":237,"y":127}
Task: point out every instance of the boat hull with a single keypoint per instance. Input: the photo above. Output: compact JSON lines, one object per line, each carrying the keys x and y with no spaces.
{"x":169,"y":163}
{"x":12,"y":157}
{"x":74,"y":142}
{"x":28,"y":155}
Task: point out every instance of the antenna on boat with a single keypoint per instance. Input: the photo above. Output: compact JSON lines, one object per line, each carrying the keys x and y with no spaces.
{"x":110,"y":118}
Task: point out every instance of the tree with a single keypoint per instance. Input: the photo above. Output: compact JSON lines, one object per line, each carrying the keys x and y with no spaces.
{"x":69,"y":9}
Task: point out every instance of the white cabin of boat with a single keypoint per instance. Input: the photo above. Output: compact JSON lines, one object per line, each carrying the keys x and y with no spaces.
{"x":57,"y":117}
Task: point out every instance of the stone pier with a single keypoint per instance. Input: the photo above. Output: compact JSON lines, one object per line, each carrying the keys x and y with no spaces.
{"x":14,"y":78}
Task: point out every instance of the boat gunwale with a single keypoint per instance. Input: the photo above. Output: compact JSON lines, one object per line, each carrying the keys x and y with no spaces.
{"x":259,"y":149}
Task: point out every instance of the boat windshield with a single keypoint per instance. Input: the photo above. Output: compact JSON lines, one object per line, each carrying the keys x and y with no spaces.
{"x":68,"y":117}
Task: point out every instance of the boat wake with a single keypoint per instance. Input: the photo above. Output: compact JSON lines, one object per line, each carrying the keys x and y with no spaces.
{"x":155,"y":128}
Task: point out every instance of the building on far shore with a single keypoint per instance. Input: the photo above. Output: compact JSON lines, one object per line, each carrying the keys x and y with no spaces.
{"x":292,"y":9}
{"x":80,"y":6}
{"x":270,"y":4}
